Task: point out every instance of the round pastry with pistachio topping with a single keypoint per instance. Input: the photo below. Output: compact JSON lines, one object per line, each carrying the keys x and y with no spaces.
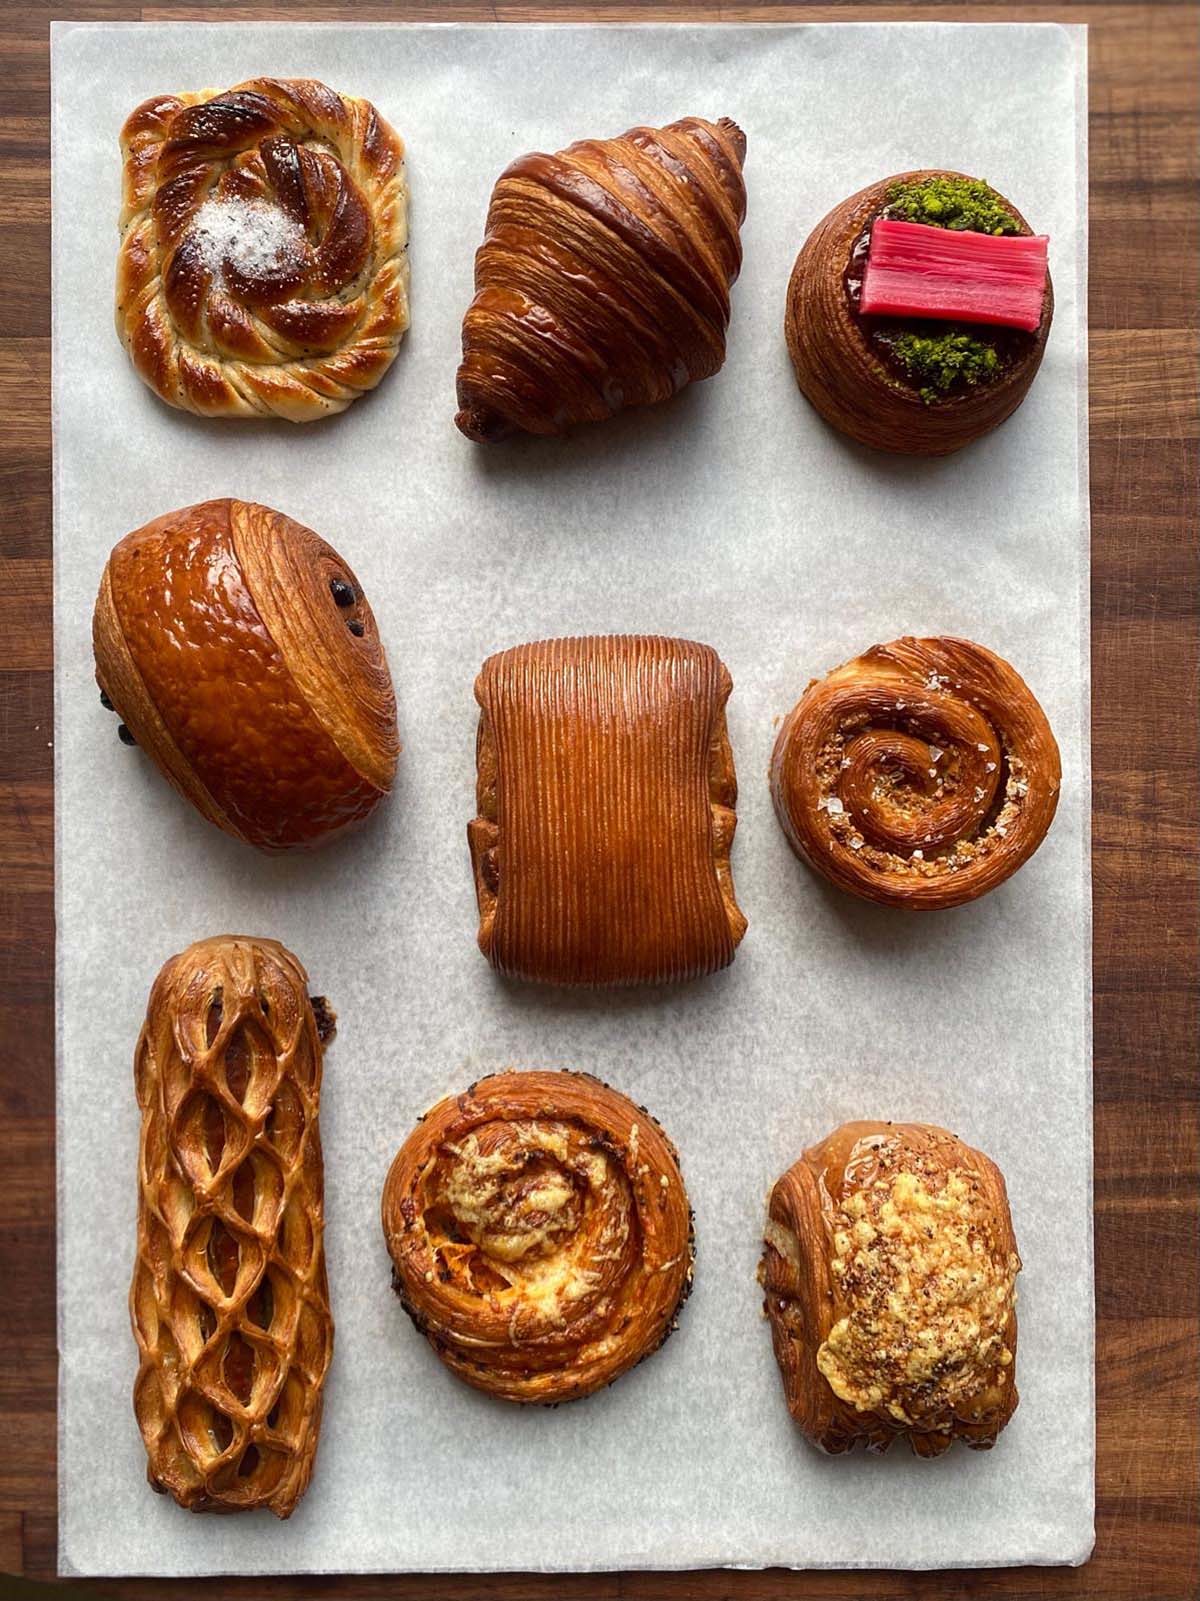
{"x":918,"y":311}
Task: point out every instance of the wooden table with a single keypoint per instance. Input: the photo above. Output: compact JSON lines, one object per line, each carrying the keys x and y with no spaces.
{"x":1143,"y":134}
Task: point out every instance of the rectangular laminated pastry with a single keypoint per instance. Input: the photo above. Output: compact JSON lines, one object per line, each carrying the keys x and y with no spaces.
{"x":606,"y":794}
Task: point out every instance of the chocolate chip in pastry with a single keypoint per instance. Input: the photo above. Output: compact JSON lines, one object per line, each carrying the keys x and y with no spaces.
{"x":921,"y":774}
{"x":889,"y":1267}
{"x":606,"y":795}
{"x":240,"y":652}
{"x":540,"y":1234}
{"x":603,"y":278}
{"x":263,"y":268}
{"x":229,"y":1301}
{"x":923,"y":374}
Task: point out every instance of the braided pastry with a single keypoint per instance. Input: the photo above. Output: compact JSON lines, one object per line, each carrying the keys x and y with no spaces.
{"x":229,"y":1301}
{"x":263,"y":268}
{"x":921,"y":774}
{"x":889,"y":1266}
{"x":603,"y":279}
{"x":540,"y":1234}
{"x":241,"y":653}
{"x":902,"y":384}
{"x":606,"y":794}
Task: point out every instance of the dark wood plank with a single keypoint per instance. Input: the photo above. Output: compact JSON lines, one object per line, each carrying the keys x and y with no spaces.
{"x":1144,"y":432}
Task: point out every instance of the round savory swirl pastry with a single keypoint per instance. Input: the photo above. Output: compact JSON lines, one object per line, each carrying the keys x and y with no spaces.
{"x":921,"y":774}
{"x":603,"y":278}
{"x":889,"y":1266}
{"x":263,"y":268}
{"x":242,"y":656}
{"x":906,"y":384}
{"x":540,"y":1233}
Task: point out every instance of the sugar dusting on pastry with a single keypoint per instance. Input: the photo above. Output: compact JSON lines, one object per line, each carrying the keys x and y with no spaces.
{"x":926,"y":1291}
{"x":253,"y":237}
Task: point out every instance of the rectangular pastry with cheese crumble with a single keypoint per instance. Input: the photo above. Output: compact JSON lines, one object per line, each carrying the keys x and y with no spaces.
{"x":605,"y":796}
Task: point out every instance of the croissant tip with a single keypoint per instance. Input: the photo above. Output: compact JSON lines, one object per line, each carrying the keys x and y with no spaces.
{"x":483,"y":426}
{"x":735,"y":135}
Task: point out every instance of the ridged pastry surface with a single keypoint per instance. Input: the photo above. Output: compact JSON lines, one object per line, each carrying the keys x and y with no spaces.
{"x":263,"y":267}
{"x":921,"y":774}
{"x":890,"y":1271}
{"x":603,"y":279}
{"x":540,"y":1234}
{"x":229,"y":1300}
{"x":220,"y":643}
{"x":843,"y":376}
{"x":606,"y":796}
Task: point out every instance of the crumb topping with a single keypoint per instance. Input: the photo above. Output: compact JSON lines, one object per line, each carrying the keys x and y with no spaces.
{"x":927,"y":1291}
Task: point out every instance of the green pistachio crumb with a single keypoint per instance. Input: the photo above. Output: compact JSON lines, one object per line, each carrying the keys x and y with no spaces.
{"x":945,"y":362}
{"x":965,"y":204}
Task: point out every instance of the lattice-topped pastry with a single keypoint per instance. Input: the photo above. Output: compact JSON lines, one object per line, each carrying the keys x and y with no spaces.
{"x":263,"y":268}
{"x":229,"y":1301}
{"x":540,"y":1233}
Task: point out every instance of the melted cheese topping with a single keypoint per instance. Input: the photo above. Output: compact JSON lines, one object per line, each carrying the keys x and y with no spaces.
{"x":928,"y":1294}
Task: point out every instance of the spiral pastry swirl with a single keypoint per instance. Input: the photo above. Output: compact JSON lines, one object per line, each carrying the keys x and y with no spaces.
{"x":603,"y":279}
{"x":263,"y":267}
{"x":540,"y":1234}
{"x":921,"y":774}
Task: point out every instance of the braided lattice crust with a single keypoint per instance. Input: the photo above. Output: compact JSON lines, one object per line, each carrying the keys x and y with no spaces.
{"x":263,"y":268}
{"x":229,"y":1301}
{"x":603,"y":278}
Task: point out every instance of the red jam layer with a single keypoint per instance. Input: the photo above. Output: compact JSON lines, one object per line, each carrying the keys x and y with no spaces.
{"x":914,"y":270}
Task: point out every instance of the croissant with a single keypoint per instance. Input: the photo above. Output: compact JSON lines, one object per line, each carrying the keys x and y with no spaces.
{"x":921,"y":774}
{"x":606,"y":795}
{"x":889,"y":1267}
{"x":241,"y":654}
{"x":603,"y":278}
{"x":902,"y":383}
{"x":263,"y":268}
{"x":229,"y":1300}
{"x":540,"y":1234}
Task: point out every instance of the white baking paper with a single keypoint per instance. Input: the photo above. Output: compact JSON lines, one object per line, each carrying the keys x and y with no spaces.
{"x":732,"y":516}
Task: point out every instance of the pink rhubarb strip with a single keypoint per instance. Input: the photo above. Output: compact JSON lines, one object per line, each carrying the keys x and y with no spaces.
{"x":951,"y":276}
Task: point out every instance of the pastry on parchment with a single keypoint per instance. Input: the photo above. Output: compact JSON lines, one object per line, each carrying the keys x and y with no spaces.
{"x":918,"y":312}
{"x":229,"y":1300}
{"x":540,"y":1234}
{"x":263,"y":267}
{"x":921,"y":774}
{"x":241,"y":654}
{"x":606,"y":795}
{"x":889,"y":1268}
{"x":603,"y":279}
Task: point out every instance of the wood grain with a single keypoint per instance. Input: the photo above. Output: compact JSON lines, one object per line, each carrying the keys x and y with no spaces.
{"x":1144,"y":434}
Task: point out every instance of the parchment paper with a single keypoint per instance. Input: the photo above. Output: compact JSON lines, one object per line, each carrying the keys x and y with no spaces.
{"x":732,"y":516}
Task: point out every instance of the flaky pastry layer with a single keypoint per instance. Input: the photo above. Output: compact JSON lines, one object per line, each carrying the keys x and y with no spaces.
{"x":606,"y":795}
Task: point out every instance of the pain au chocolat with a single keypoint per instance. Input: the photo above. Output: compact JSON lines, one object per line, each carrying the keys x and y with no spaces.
{"x":889,"y":1267}
{"x":922,"y":774}
{"x":229,"y":1300}
{"x":540,"y":1234}
{"x":918,"y":312}
{"x":603,"y":279}
{"x":606,"y":795}
{"x":263,"y":268}
{"x":242,"y":656}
